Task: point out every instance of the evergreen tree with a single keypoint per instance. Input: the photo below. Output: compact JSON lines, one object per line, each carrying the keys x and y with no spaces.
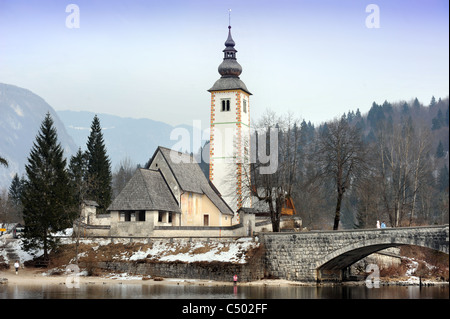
{"x":15,"y":197}
{"x":387,"y":107}
{"x":375,"y":115}
{"x":46,"y":197}
{"x":443,"y":178}
{"x":16,"y":189}
{"x":433,"y":101}
{"x":438,"y":121}
{"x":446,"y":117}
{"x":78,"y":175}
{"x":416,"y":104}
{"x":405,"y":108}
{"x":98,"y":168}
{"x":440,"y":150}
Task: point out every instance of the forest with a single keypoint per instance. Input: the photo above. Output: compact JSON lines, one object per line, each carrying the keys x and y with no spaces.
{"x":389,"y":165}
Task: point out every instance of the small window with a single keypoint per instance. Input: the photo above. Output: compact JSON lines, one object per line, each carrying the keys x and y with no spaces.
{"x":170,"y":217}
{"x":160,"y":216}
{"x":245,"y":106}
{"x":141,"y":216}
{"x":225,"y":105}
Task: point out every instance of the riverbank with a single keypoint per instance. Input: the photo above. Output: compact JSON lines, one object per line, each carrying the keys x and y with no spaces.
{"x":33,"y":276}
{"x":179,"y":262}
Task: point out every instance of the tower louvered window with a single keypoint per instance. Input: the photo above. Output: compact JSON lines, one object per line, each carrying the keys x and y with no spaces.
{"x":225,"y":105}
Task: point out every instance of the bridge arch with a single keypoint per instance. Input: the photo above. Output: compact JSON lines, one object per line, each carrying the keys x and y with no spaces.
{"x":316,"y":255}
{"x":330,"y":266}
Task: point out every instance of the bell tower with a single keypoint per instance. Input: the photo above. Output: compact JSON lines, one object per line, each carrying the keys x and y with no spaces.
{"x":229,"y":166}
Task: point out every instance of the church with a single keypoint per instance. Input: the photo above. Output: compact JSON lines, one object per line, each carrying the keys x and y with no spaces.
{"x":172,"y":193}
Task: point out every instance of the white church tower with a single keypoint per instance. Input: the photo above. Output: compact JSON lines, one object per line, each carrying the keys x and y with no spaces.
{"x":229,"y":167}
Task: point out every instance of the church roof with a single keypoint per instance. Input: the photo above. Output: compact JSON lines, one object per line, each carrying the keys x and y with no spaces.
{"x":190,"y":177}
{"x":229,"y":83}
{"x":146,"y":190}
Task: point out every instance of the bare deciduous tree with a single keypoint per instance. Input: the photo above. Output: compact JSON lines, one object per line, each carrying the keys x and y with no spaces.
{"x":340,"y":156}
{"x":271,"y":188}
{"x":403,"y":157}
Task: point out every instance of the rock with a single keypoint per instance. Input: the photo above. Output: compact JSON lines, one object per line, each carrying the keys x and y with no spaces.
{"x":3,"y":281}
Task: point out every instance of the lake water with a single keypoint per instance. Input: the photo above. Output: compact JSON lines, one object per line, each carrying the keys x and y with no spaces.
{"x":136,"y":291}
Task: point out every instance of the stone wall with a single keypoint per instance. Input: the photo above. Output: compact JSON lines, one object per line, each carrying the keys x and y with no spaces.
{"x":217,"y":271}
{"x":111,"y":225}
{"x":252,"y":270}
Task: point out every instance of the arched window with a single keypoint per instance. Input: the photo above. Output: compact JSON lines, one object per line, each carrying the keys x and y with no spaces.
{"x":225,"y":105}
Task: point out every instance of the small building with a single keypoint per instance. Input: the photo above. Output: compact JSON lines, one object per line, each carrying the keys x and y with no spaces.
{"x":88,"y":212}
{"x":171,"y":191}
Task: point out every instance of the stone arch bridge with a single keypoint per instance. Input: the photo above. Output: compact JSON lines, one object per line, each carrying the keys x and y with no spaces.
{"x":324,"y":255}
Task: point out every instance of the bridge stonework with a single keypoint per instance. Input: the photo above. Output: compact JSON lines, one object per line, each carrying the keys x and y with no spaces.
{"x":319,"y":256}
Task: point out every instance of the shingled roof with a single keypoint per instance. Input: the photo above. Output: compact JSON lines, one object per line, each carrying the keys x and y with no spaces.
{"x":146,"y":190}
{"x":190,"y":177}
{"x":229,"y":83}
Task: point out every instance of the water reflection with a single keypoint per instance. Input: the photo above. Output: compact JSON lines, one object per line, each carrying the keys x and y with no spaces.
{"x":136,"y":291}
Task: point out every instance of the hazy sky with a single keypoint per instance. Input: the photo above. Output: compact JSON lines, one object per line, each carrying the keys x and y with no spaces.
{"x":157,"y":59}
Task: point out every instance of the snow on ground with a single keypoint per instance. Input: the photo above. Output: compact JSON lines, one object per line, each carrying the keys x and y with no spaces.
{"x":412,"y":267}
{"x":124,"y":276}
{"x":161,"y":250}
{"x":191,"y":252}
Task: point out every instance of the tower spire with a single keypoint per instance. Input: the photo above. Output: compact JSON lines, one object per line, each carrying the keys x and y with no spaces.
{"x":229,"y":69}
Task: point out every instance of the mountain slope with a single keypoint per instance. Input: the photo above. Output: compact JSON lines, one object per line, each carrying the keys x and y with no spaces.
{"x":21,"y":115}
{"x":125,"y":138}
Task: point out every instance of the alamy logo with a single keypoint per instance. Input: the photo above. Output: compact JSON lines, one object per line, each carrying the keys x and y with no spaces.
{"x":73,"y":19}
{"x":263,"y":146}
{"x":373,"y":19}
{"x":73,"y":277}
{"x":373,"y":280}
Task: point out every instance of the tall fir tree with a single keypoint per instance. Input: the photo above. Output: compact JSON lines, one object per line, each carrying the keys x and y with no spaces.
{"x":47,"y":200}
{"x":16,"y":189}
{"x":78,"y":175}
{"x":440,"y":150}
{"x":99,"y":174}
{"x":15,"y":197}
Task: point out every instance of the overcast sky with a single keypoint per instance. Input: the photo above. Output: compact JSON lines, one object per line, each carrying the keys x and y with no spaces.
{"x":157,"y":59}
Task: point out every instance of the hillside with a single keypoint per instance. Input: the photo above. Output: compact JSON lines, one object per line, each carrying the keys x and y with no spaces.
{"x":22,"y":113}
{"x":433,"y":117}
{"x":407,"y":161}
{"x":125,"y":138}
